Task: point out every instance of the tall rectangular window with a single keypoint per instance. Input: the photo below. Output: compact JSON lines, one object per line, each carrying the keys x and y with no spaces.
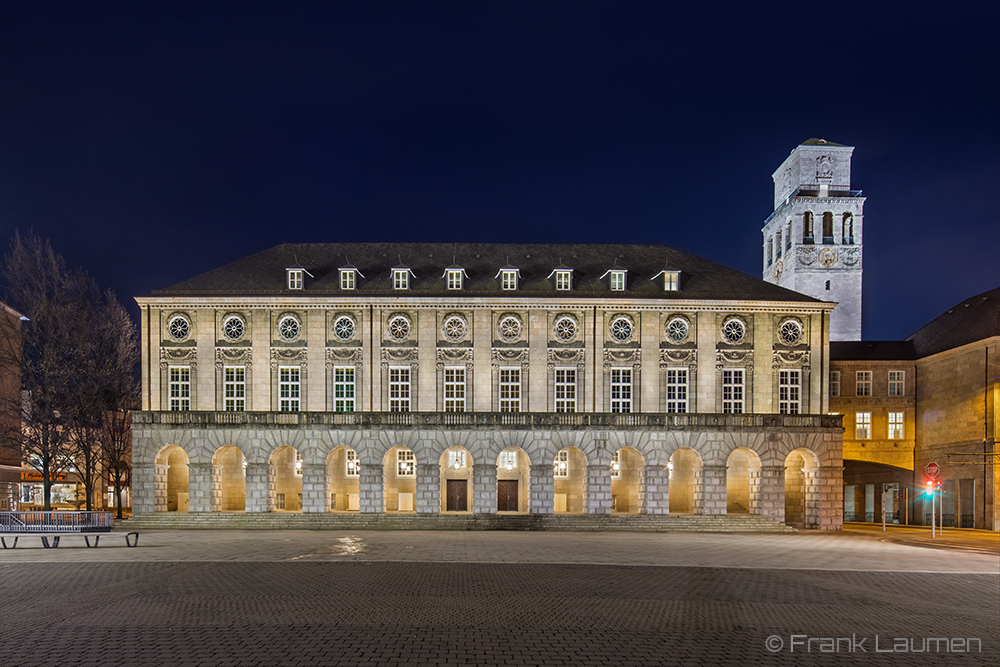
{"x":508,"y":279}
{"x":405,"y":463}
{"x":789,"y":392}
{"x":621,"y":390}
{"x":862,"y":425}
{"x":564,"y":280}
{"x":565,"y":390}
{"x":347,"y":279}
{"x":289,"y":388}
{"x":560,"y":469}
{"x":343,"y":389}
{"x":617,"y":281}
{"x":180,"y":388}
{"x":895,"y":425}
{"x":864,"y":383}
{"x":835,"y":383}
{"x":732,"y":391}
{"x":400,"y":279}
{"x":510,"y":390}
{"x":454,"y":389}
{"x":399,"y":389}
{"x":454,"y":278}
{"x":234,"y":389}
{"x":353,"y":465}
{"x":295,"y":279}
{"x":616,"y":465}
{"x":677,"y":390}
{"x":670,"y":281}
{"x":896,"y":383}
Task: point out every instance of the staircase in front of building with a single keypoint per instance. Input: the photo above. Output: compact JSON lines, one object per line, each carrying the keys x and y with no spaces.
{"x":724,"y":523}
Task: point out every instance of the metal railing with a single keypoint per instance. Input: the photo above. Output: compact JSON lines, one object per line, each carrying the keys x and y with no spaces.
{"x":515,"y":420}
{"x":56,"y":522}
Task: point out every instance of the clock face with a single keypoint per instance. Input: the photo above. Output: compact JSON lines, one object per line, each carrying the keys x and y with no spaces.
{"x":828,"y":257}
{"x":778,"y":268}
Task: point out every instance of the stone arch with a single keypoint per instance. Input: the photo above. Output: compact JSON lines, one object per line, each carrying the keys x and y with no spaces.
{"x":627,"y":475}
{"x":513,"y":480}
{"x":229,"y":479}
{"x":399,"y":475}
{"x":343,"y":473}
{"x":807,"y":227}
{"x":172,"y":476}
{"x":570,"y":480}
{"x":828,"y":227}
{"x":455,"y":466}
{"x":685,"y":481}
{"x":285,"y":472}
{"x":742,"y":470}
{"x":802,"y":488}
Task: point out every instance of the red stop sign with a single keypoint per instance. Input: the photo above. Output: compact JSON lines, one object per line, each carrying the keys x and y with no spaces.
{"x":932,"y":469}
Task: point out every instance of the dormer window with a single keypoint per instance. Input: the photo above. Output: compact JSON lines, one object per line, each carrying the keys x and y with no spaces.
{"x":617,"y":281}
{"x":454,"y":278}
{"x":401,"y":278}
{"x":296,"y":279}
{"x":671,"y":281}
{"x":564,"y":279}
{"x":348,"y":279}
{"x":508,"y":279}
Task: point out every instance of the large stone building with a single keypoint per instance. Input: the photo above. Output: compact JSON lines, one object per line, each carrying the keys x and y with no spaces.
{"x":933,"y":397}
{"x":10,"y":406}
{"x":437,"y":378}
{"x":813,"y":239}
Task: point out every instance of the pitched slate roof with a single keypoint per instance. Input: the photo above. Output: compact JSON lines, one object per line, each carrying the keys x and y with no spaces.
{"x":975,"y":319}
{"x":813,"y":141}
{"x":263,"y":274}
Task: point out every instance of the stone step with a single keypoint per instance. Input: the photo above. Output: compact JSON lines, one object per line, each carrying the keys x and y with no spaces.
{"x":556,"y":522}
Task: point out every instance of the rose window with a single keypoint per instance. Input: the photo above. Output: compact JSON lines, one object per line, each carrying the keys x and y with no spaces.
{"x":510,"y":328}
{"x":288,"y":328}
{"x":621,"y":329}
{"x":399,"y":327}
{"x":233,"y":328}
{"x":179,"y":328}
{"x":565,"y":329}
{"x":790,"y":332}
{"x":343,"y":327}
{"x":677,"y":330}
{"x":734,"y":331}
{"x":454,"y":328}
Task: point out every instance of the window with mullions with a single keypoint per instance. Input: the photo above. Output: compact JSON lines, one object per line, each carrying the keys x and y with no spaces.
{"x":621,"y":390}
{"x":510,"y":390}
{"x":508,"y":280}
{"x":289,"y":388}
{"x":617,"y":281}
{"x":399,"y":389}
{"x":456,"y":459}
{"x":508,"y":459}
{"x":862,"y":425}
{"x":180,"y":388}
{"x":896,"y":383}
{"x":864,"y":383}
{"x":565,"y":389}
{"x":616,"y":465}
{"x":400,"y":279}
{"x":560,"y":467}
{"x":564,"y":280}
{"x":347,"y":279}
{"x":343,"y":389}
{"x":835,"y":383}
{"x":295,"y":279}
{"x":405,"y":463}
{"x":895,"y":425}
{"x":454,"y":279}
{"x":677,"y":390}
{"x":234,"y":388}
{"x":789,"y":392}
{"x":732,"y":391}
{"x":454,"y":389}
{"x":353,"y":465}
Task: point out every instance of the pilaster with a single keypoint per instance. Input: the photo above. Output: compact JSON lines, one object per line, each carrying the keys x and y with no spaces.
{"x":201,"y":482}
{"x":713,"y":490}
{"x":597,"y":498}
{"x":371,"y":488}
{"x":654,"y":490}
{"x":831,"y":498}
{"x":428,"y":500}
{"x":260,"y":487}
{"x":542,"y":497}
{"x":484,"y":488}
{"x":769,"y":500}
{"x":315,"y":487}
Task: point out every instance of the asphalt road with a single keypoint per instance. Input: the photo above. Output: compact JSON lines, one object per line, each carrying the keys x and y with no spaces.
{"x":428,"y":598}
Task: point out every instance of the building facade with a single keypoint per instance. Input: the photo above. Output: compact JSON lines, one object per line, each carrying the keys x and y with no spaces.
{"x":933,"y":397}
{"x":10,"y":407}
{"x":486,"y":378}
{"x":813,"y":241}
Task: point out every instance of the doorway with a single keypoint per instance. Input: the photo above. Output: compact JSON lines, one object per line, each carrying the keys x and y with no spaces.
{"x":507,"y":493}
{"x":458,"y":495}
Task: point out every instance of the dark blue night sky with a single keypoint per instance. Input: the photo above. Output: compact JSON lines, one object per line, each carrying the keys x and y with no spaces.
{"x":154,"y":141}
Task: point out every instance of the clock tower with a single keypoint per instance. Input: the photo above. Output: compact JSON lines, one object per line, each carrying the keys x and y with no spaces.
{"x":813,"y":240}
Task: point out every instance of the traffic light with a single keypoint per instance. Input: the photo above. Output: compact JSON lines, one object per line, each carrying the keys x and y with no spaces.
{"x":929,"y":488}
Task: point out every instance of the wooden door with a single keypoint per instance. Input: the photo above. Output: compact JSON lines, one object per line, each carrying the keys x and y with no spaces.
{"x":507,"y":495}
{"x":458,"y":495}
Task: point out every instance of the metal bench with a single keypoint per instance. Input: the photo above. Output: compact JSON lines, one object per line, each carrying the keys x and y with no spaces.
{"x":55,"y":525}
